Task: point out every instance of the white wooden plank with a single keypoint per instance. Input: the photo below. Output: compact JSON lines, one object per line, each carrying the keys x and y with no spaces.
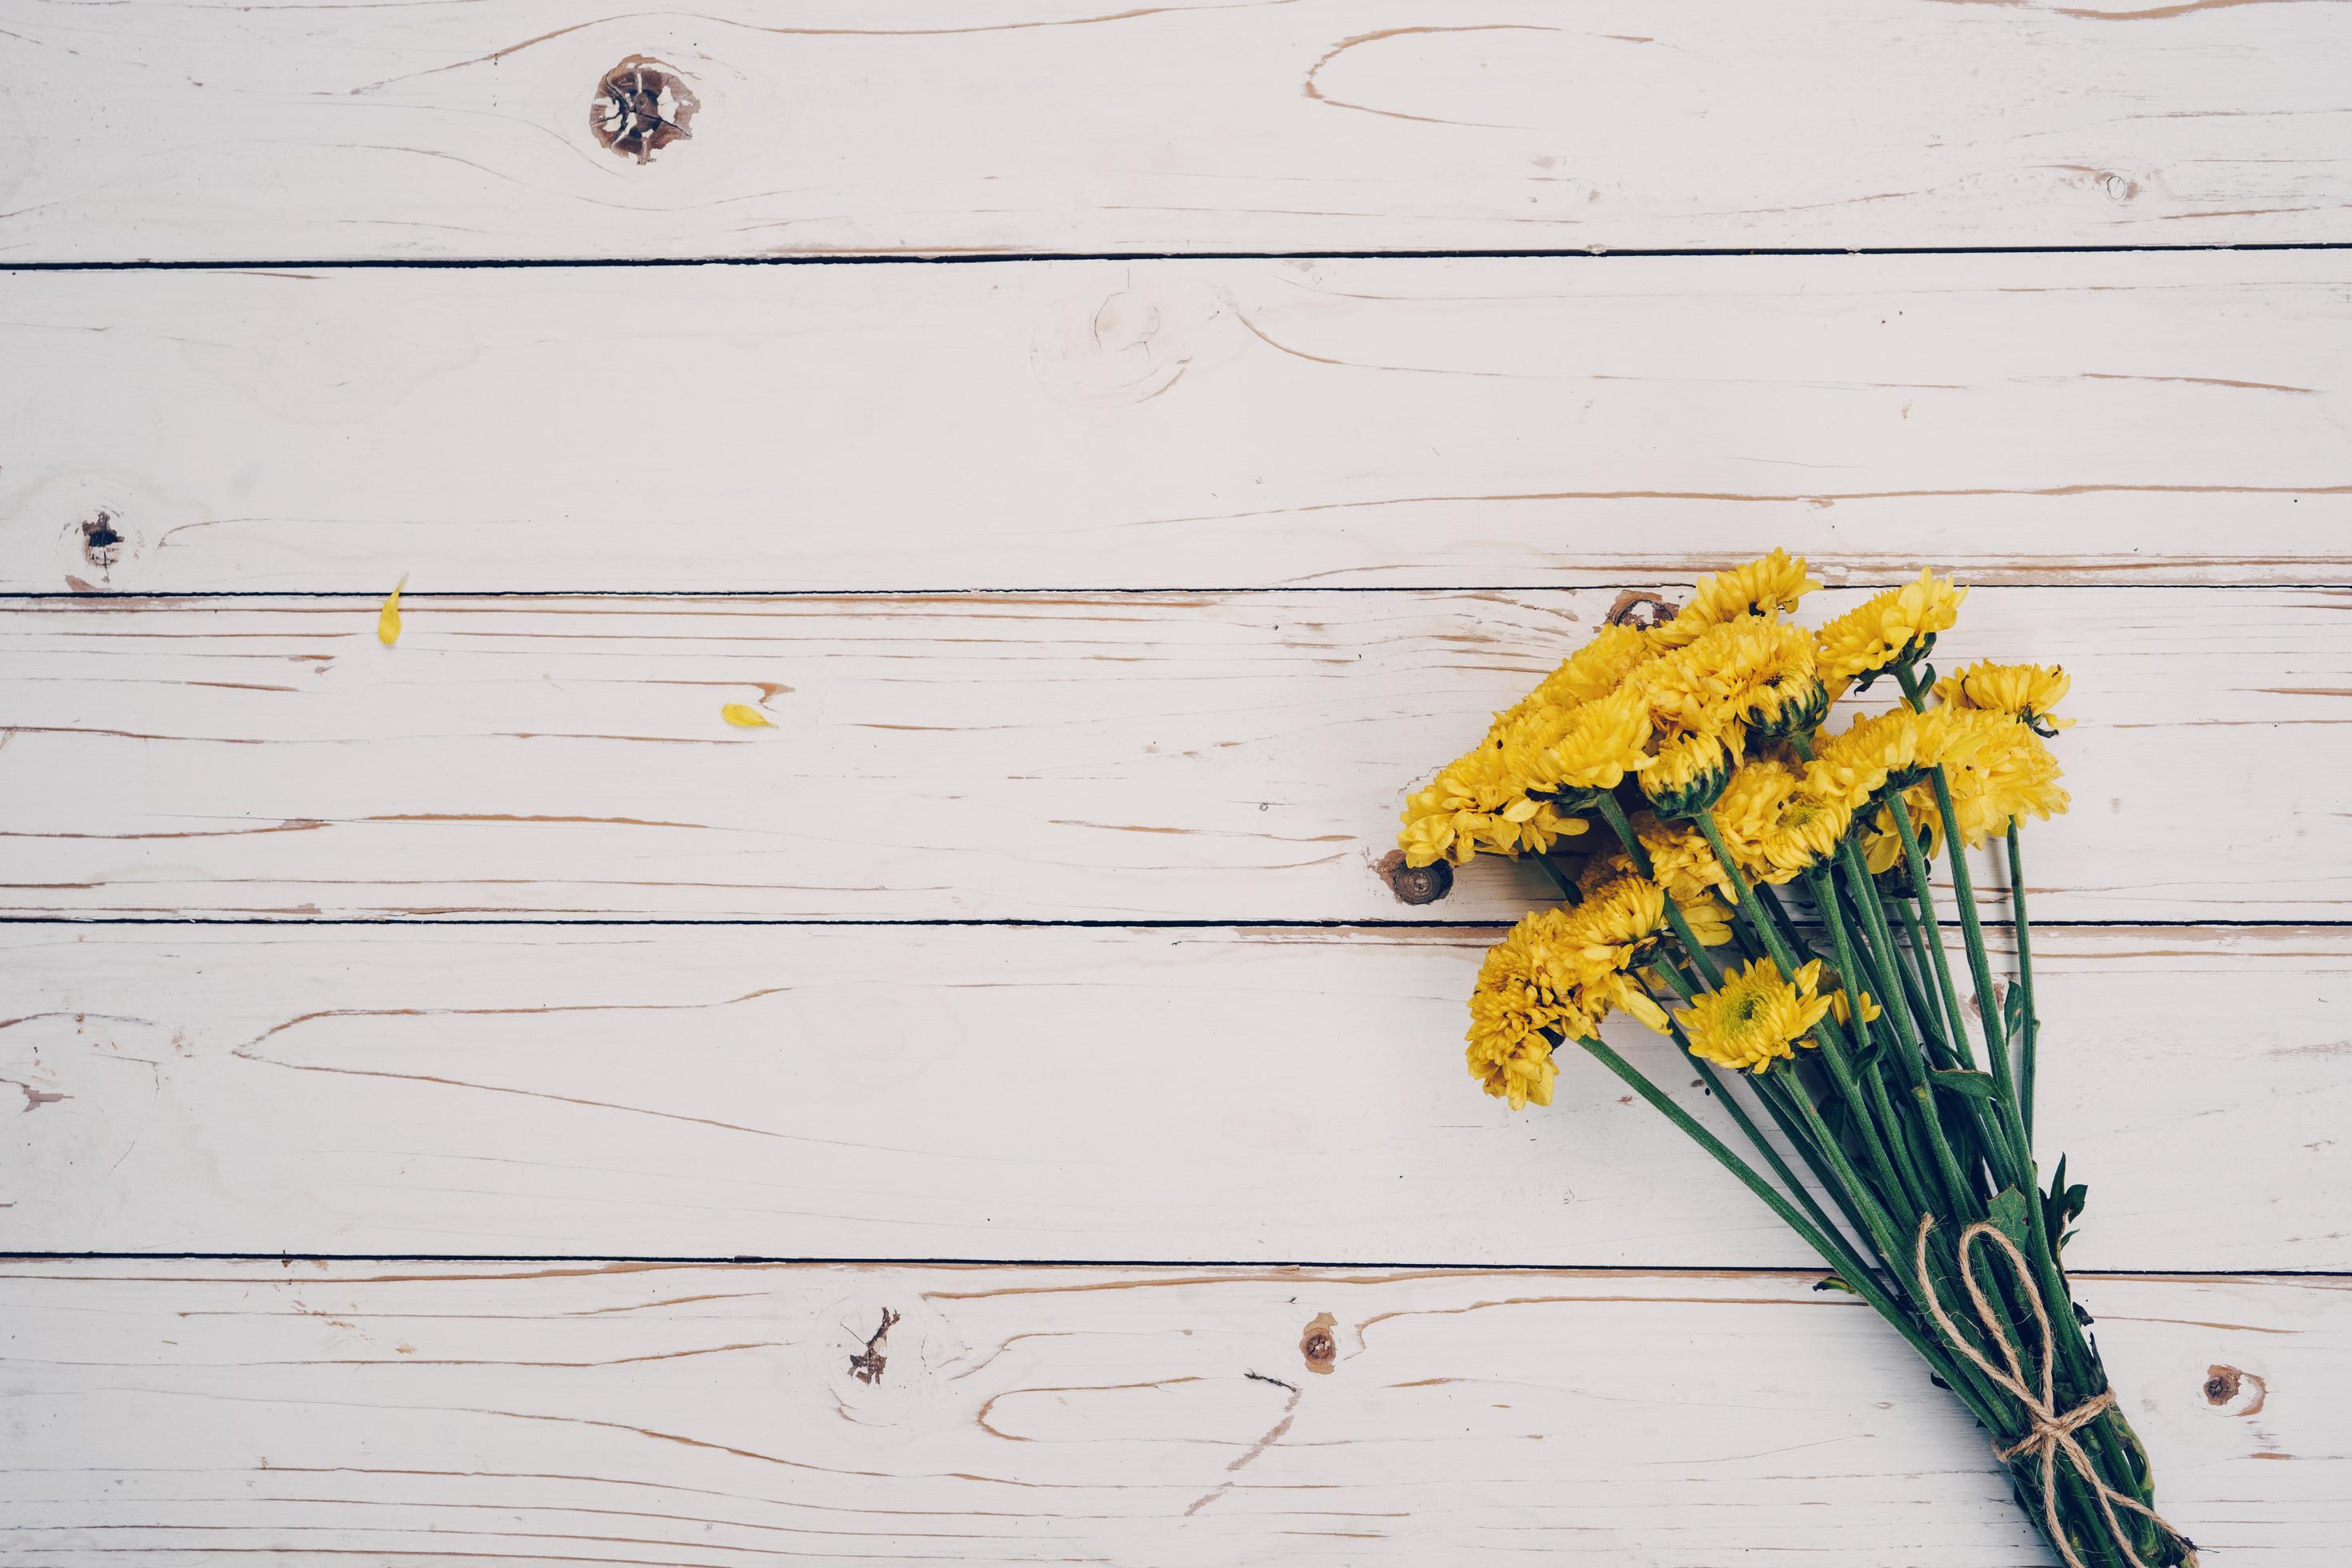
{"x":191,"y":129}
{"x":1181,"y":424}
{"x":1110,"y":757}
{"x":182,"y":1412}
{"x":1062,"y":1094}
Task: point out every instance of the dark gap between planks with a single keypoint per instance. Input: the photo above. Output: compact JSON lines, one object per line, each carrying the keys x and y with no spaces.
{"x":986,"y":258}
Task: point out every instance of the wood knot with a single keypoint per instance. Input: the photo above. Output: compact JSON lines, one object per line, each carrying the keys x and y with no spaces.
{"x":2235,"y":1391}
{"x":1414,"y":884}
{"x":1636,"y":608}
{"x":101,"y":542}
{"x":641,"y":106}
{"x":1317,"y":1346}
{"x":868,"y":1365}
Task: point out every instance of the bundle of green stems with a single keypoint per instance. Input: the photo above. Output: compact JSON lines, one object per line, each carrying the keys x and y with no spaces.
{"x":1910,"y":1139}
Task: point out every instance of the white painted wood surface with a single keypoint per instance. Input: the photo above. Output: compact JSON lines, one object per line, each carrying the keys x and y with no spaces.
{"x":1106,"y":757}
{"x":708,"y":1417}
{"x":1067,"y":1094}
{"x":192,"y":129}
{"x":1263,"y":540}
{"x":1181,"y":424}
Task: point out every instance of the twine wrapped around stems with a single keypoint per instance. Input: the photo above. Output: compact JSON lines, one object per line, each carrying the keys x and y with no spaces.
{"x":2052,"y":1435}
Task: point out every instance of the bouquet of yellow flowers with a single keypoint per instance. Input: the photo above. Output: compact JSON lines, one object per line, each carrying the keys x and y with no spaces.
{"x":1757,"y":886}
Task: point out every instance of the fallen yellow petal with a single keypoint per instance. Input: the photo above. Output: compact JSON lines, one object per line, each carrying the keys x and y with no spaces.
{"x":745,"y":716}
{"x":387,"y":622}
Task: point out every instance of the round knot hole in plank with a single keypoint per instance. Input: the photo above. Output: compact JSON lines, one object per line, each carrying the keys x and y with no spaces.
{"x":1635,"y":608}
{"x":1414,"y":884}
{"x":1317,"y":1347}
{"x":101,"y":542}
{"x":2235,"y":1391}
{"x":641,"y":106}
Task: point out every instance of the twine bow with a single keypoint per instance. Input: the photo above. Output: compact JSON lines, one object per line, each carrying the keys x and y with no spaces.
{"x":2052,"y":1433}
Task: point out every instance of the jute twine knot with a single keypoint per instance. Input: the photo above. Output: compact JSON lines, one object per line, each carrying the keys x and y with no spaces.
{"x":2051,"y":1432}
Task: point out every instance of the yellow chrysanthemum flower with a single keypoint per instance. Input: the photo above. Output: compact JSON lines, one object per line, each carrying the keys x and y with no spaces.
{"x":2011,"y":774}
{"x":1612,"y":933}
{"x":1583,"y":749}
{"x":1612,"y":926}
{"x":1887,"y":628}
{"x":1775,"y":830}
{"x":1709,"y":917}
{"x":1751,"y":802}
{"x":1509,"y":1053}
{"x":1593,"y":671}
{"x":2026,"y":692}
{"x":2005,"y":774}
{"x":1806,"y":835}
{"x":1477,"y":803}
{"x":1747,"y":671}
{"x":1854,"y":765}
{"x":1756,"y":1017}
{"x":1562,"y":971}
{"x":1584,"y":956}
{"x":1757,"y":587}
{"x":1527,"y":986}
{"x":1690,"y":771}
{"x":1682,"y":860}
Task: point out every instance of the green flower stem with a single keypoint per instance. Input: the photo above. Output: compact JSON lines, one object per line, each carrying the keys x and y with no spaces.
{"x":2073,"y":1351}
{"x":1964,"y":893}
{"x":1802,"y":1141}
{"x":1863,"y":893}
{"x":1683,"y":987}
{"x":1770,"y":896}
{"x":2021,"y":1151}
{"x":1920,"y":937}
{"x":1906,"y":1003}
{"x":1614,"y":815}
{"x":1955,"y":1191}
{"x":2024,"y":979}
{"x":1797,"y":1189}
{"x":1867,"y":1286}
{"x":1558,"y":879}
{"x":1833,"y":1040}
{"x":1885,"y":1234}
{"x":1917,"y":860}
{"x":1791,"y":1131}
{"x":2011,"y":1165}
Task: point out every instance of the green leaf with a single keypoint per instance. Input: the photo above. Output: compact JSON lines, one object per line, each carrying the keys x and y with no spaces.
{"x":2012,"y":1218}
{"x":2062,"y":1205}
{"x":1969,"y":1085}
{"x":2012,"y":1009}
{"x":1831,"y":1282}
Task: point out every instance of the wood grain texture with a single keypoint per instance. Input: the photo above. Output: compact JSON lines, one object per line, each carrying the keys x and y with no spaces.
{"x":186,"y":129}
{"x":1061,"y":1094}
{"x":1182,"y":425}
{"x":708,"y":1417}
{"x":1112,"y":757}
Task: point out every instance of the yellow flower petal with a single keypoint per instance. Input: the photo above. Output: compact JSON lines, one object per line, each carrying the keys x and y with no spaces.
{"x":387,"y":620}
{"x":745,"y":716}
